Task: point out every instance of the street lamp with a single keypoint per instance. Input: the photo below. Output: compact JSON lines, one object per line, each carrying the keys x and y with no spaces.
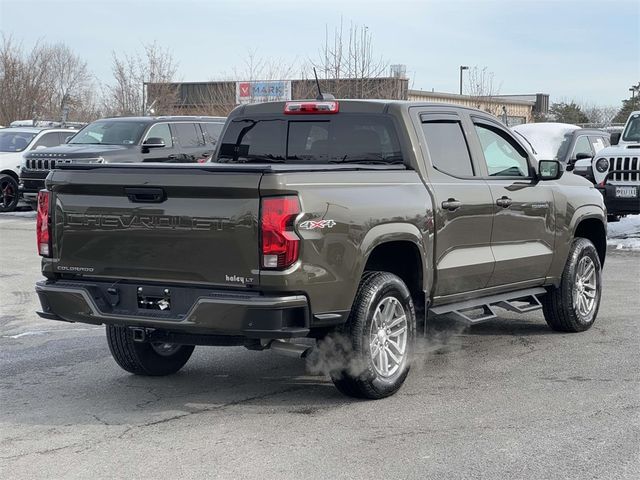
{"x":462,"y":68}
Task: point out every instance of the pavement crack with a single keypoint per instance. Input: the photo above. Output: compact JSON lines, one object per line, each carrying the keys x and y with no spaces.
{"x":210,"y":409}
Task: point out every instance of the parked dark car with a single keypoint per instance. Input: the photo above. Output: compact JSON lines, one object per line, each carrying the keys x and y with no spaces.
{"x":562,"y":141}
{"x":125,"y":140}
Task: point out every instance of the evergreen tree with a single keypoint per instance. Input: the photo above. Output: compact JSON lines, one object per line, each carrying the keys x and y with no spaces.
{"x":567,"y":113}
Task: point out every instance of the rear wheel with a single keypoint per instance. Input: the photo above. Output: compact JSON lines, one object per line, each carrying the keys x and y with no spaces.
{"x":8,"y":193}
{"x":380,"y":331}
{"x":143,"y":358}
{"x":573,"y":306}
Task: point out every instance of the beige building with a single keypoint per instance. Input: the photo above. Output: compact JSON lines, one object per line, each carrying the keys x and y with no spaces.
{"x":511,"y":109}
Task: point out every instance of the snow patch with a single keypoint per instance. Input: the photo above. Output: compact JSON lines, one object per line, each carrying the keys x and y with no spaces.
{"x":625,"y":234}
{"x":44,"y":332}
{"x":28,"y":214}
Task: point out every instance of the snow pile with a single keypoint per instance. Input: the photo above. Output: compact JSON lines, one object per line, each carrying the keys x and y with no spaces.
{"x":549,"y":139}
{"x":625,"y":234}
{"x":27,"y":214}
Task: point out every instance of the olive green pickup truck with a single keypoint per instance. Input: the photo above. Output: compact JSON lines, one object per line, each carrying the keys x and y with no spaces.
{"x":351,"y":219}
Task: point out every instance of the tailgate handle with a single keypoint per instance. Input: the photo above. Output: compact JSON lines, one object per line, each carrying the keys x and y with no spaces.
{"x":146,"y":195}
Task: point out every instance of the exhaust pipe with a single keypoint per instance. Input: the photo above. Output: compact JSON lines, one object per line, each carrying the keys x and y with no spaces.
{"x":289,"y":349}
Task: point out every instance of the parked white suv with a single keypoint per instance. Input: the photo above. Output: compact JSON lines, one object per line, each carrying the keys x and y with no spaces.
{"x":615,"y":170}
{"x":14,"y":143}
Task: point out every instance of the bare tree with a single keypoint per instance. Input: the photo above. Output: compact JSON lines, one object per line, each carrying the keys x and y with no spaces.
{"x":483,"y":89}
{"x":350,"y":67}
{"x":49,"y":82}
{"x":23,"y":81}
{"x":132,"y":74}
{"x":599,"y":115}
{"x":71,"y":86}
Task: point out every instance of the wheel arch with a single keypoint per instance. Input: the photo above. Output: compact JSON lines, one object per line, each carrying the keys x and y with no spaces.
{"x":594,"y":229}
{"x":398,"y":248}
{"x":11,"y":173}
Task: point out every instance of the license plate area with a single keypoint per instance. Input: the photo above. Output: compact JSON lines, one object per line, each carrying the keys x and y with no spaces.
{"x":154,"y":298}
{"x":626,"y":192}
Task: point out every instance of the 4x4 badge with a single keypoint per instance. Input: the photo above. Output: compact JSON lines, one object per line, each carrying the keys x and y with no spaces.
{"x":313,"y":224}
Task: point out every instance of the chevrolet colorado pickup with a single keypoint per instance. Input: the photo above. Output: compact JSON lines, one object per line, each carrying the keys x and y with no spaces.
{"x":351,"y":219}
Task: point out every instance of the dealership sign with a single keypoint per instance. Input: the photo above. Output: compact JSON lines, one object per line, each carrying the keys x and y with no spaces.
{"x":267,"y":91}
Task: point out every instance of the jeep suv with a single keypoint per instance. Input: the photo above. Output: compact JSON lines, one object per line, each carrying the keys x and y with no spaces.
{"x":15,"y":142}
{"x":615,"y":170}
{"x":129,"y":140}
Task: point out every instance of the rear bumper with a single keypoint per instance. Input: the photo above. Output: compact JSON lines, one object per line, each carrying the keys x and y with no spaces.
{"x":249,"y":315}
{"x":619,"y":206}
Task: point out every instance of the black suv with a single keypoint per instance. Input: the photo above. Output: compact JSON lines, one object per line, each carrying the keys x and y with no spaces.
{"x":125,"y":139}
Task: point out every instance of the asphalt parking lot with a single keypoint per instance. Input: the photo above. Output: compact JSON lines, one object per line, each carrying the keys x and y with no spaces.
{"x":504,"y":399}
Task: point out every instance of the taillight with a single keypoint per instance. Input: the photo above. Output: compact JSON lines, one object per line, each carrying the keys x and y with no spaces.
{"x":280,"y":244}
{"x":302,"y":108}
{"x":43,"y":229}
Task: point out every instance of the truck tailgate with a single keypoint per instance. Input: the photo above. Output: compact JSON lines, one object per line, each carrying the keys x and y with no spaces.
{"x":161,"y":224}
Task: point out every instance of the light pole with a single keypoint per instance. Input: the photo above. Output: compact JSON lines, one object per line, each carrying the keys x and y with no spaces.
{"x":462,"y":68}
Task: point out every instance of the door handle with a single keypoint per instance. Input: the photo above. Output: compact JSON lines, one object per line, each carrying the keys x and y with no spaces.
{"x":504,"y":202}
{"x":451,"y":204}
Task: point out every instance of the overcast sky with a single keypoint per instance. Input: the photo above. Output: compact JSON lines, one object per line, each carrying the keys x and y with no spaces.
{"x":584,"y":50}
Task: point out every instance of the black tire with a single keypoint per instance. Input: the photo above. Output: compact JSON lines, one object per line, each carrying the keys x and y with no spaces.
{"x":559,"y":304}
{"x":9,"y":194}
{"x":142,"y":358}
{"x":365,"y":380}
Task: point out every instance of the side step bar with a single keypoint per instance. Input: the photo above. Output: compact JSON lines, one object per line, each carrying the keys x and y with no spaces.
{"x":482,"y":309}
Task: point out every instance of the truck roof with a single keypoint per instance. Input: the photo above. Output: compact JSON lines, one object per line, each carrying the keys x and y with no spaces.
{"x":349,"y":106}
{"x":173,"y":118}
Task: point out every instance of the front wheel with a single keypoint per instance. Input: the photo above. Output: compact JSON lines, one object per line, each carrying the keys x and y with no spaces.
{"x":573,"y":306}
{"x":380,"y":331}
{"x":142,"y":358}
{"x":8,"y":193}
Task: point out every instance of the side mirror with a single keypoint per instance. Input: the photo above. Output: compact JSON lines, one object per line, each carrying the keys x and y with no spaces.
{"x":66,"y":140}
{"x":154,"y":142}
{"x":549,"y":170}
{"x":583,"y":155}
{"x":40,"y":147}
{"x":615,"y":138}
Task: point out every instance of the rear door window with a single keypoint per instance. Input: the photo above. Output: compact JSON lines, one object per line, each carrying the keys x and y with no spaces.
{"x":343,"y":138}
{"x":448,"y":148}
{"x":187,"y":134}
{"x":211,"y":132}
{"x":51,"y":139}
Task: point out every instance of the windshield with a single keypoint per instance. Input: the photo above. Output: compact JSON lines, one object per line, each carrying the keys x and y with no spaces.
{"x":632,"y":132}
{"x":12,"y":141}
{"x":110,"y":133}
{"x":342,"y":138}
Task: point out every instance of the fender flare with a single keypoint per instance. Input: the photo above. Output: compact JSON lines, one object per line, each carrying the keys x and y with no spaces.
{"x":564,"y":240}
{"x":395,"y":232}
{"x":585,"y":212}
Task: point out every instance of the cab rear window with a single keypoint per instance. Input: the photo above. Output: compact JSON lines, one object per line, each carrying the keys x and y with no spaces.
{"x":342,"y":138}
